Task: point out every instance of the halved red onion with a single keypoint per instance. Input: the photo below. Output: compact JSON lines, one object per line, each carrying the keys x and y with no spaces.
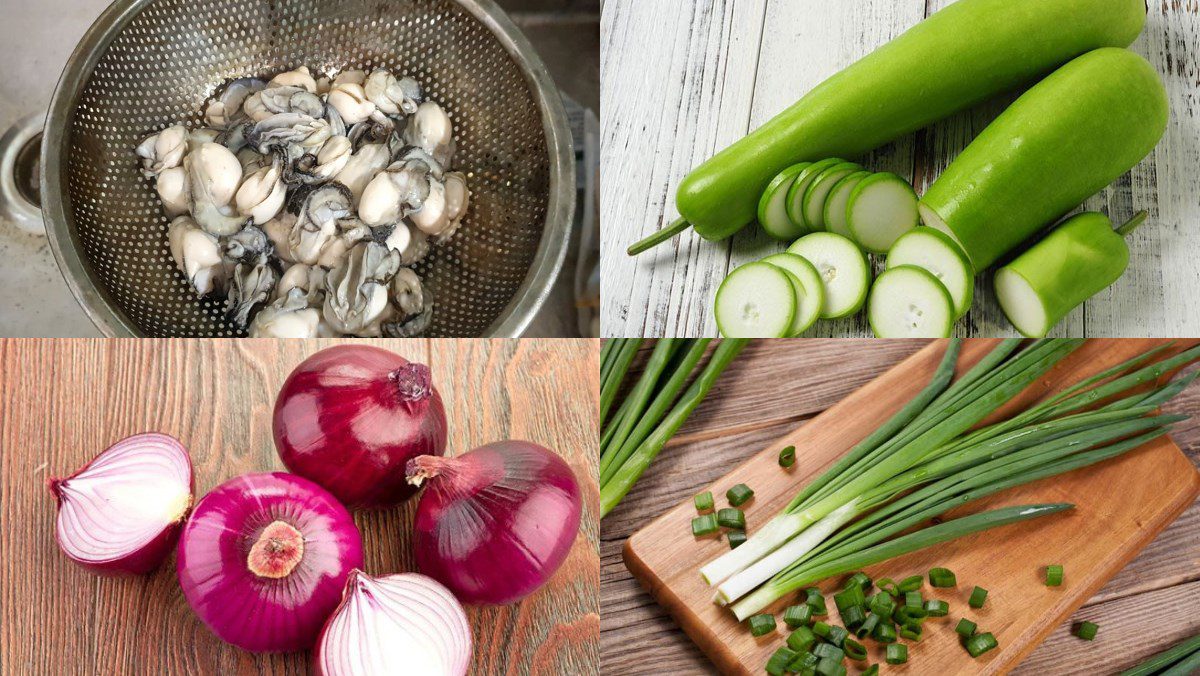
{"x":350,"y":417}
{"x":495,"y":522}
{"x":395,"y":624}
{"x":121,"y":512}
{"x":264,"y":558}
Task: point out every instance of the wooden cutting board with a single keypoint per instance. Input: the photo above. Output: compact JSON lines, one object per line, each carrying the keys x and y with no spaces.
{"x":1121,"y":505}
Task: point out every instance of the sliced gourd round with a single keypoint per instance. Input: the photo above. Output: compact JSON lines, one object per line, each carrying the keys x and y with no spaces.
{"x":843,"y":269}
{"x":810,"y":292}
{"x":835,"y":203}
{"x":909,"y":302}
{"x":757,"y":300}
{"x":881,"y":208}
{"x":795,"y":196}
{"x":818,"y":192}
{"x":772,"y":206}
{"x":934,"y":251}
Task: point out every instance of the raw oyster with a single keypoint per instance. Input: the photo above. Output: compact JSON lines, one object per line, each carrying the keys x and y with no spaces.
{"x":252,"y":282}
{"x":174,"y":190}
{"x":164,"y":150}
{"x":351,"y":102}
{"x":261,"y":194}
{"x":226,"y":111}
{"x":362,"y":166}
{"x":288,"y":317}
{"x":197,"y":254}
{"x":317,"y":221}
{"x":400,"y":190}
{"x":356,"y":292}
{"x":300,"y":77}
{"x":430,"y":129}
{"x":413,"y":324}
{"x":393,"y":96}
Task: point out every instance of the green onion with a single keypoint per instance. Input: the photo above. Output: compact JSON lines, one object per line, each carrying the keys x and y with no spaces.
{"x":1054,"y":576}
{"x":854,"y":616}
{"x":837,"y":635}
{"x":883,"y":604}
{"x":965,"y":628}
{"x":815,"y":600}
{"x":761,"y":625}
{"x":849,"y":597}
{"x":822,"y":629}
{"x":937,"y":608}
{"x":731,"y":518}
{"x":704,"y":501}
{"x":872,"y":670}
{"x":980,"y":644}
{"x":912,"y":632}
{"x":855,"y":650}
{"x":887,"y":584}
{"x":830,"y":667}
{"x":861,"y":579}
{"x":627,"y":350}
{"x":797,"y":616}
{"x":1086,"y":630}
{"x":908,"y":613}
{"x":885,"y":632}
{"x":778,"y":664}
{"x":736,"y":538}
{"x":829,"y":650}
{"x":913,"y":599}
{"x":909,"y":584}
{"x":896,"y":653}
{"x":868,"y":626}
{"x":978,"y":596}
{"x":1176,"y":657}
{"x":704,"y":525}
{"x":942,"y":578}
{"x":801,"y":639}
{"x":787,"y":457}
{"x":803,"y":661}
{"x":739,"y":494}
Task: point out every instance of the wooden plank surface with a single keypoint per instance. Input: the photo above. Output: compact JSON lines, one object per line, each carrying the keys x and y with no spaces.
{"x":637,"y":634}
{"x":678,"y":86}
{"x":63,"y":401}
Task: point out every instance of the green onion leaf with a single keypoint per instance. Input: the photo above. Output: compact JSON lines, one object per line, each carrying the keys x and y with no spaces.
{"x":910,"y":584}
{"x":965,"y":628}
{"x":736,"y":537}
{"x":830,"y":667}
{"x":704,"y":525}
{"x":704,"y":501}
{"x":739,"y":494}
{"x":1086,"y":630}
{"x":855,"y":650}
{"x":837,"y":635}
{"x":937,"y":608}
{"x":980,"y":644}
{"x":854,"y":616}
{"x":942,"y":578}
{"x":884,"y":633}
{"x":872,"y":670}
{"x":868,"y":626}
{"x":861,"y":579}
{"x":815,"y":600}
{"x":883,"y":604}
{"x":822,"y":629}
{"x":912,"y":631}
{"x":761,"y":625}
{"x":978,"y":596}
{"x":778,"y":664}
{"x":1054,"y":576}
{"x":801,"y":639}
{"x":829,"y":650}
{"x":897,"y":653}
{"x":787,"y":457}
{"x":913,"y":599}
{"x":803,"y":661}
{"x":849,"y":597}
{"x":732,"y":518}
{"x":797,"y":616}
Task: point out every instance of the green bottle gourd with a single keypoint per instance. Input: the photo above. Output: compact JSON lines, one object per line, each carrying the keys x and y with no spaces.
{"x":1077,"y":260}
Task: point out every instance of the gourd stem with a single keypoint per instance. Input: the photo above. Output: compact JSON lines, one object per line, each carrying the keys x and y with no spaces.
{"x":1132,"y":224}
{"x":678,"y":226}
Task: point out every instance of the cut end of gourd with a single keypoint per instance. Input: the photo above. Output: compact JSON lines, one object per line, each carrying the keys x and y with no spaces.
{"x":756,"y":300}
{"x":881,"y":208}
{"x":909,"y":302}
{"x":1021,"y":304}
{"x":930,"y":218}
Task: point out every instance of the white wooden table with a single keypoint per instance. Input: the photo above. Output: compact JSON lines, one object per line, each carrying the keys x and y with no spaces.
{"x":682,"y":80}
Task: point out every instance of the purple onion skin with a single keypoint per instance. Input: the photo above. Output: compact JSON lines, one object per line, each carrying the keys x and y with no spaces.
{"x":150,"y":556}
{"x":256,"y":613}
{"x":343,"y":419}
{"x":497,"y":522}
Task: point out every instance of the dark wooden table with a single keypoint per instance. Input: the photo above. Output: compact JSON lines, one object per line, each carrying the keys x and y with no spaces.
{"x":775,"y":386}
{"x":63,"y":401}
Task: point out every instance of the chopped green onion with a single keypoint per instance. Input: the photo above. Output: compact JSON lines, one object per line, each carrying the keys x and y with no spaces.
{"x":704,"y":501}
{"x":965,"y":628}
{"x":872,"y":670}
{"x":862,"y":580}
{"x":854,"y":616}
{"x":787,"y":457}
{"x":822,"y":629}
{"x":937,"y":608}
{"x":732,"y":518}
{"x":760,"y":625}
{"x":830,"y":667}
{"x":978,"y":596}
{"x":897,"y":653}
{"x":1054,"y":576}
{"x":837,"y":635}
{"x":906,"y":614}
{"x":980,"y":644}
{"x":803,"y":662}
{"x":829,"y":650}
{"x":855,"y":650}
{"x":778,"y":664}
{"x":736,"y":538}
{"x":910,"y":584}
{"x":883,"y":604}
{"x":913,"y":599}
{"x":912,"y":632}
{"x":884,"y":633}
{"x":849,"y":597}
{"x":704,"y":525}
{"x":942,"y":578}
{"x":1086,"y":630}
{"x":887,"y":584}
{"x":864,"y":630}
{"x":739,"y":494}
{"x":797,"y":616}
{"x":815,"y":600}
{"x":801,"y":639}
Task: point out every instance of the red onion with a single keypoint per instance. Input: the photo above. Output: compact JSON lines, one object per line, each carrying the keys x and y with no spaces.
{"x":395,"y":624}
{"x":350,"y":417}
{"x":495,"y":522}
{"x":121,"y":512}
{"x":263,"y":560}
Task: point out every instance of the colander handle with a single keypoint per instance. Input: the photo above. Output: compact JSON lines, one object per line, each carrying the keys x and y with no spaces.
{"x":21,"y":174}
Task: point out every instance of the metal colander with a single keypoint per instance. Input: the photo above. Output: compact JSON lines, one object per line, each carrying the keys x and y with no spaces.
{"x":146,"y":64}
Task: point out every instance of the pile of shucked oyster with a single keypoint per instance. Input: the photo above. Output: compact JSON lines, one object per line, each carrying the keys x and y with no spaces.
{"x":306,"y":202}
